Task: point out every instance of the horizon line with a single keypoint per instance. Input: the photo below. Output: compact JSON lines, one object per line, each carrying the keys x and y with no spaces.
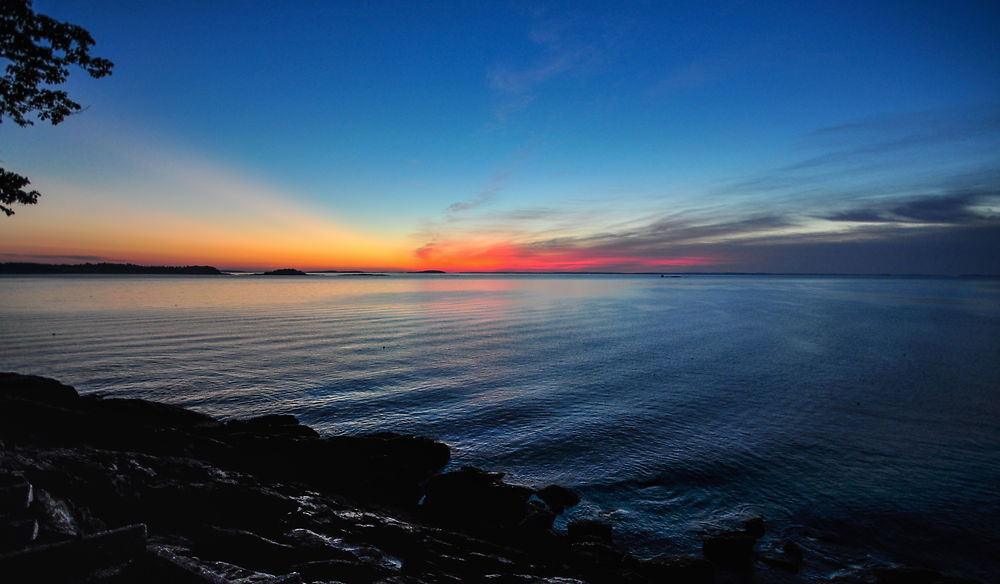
{"x":523,"y":272}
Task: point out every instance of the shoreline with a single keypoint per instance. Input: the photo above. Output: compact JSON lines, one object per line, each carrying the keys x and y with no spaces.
{"x":117,"y":490}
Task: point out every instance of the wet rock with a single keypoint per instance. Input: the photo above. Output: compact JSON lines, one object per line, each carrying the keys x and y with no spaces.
{"x":56,"y":519}
{"x":167,"y":565}
{"x":538,"y":519}
{"x":341,"y":570}
{"x":280,"y":426}
{"x":314,"y":546}
{"x":733,"y":551}
{"x":589,"y":530}
{"x":558,"y":498}
{"x":245,"y":548}
{"x":789,"y":559}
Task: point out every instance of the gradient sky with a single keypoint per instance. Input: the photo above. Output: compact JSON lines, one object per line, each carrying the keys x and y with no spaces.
{"x":651,"y":136}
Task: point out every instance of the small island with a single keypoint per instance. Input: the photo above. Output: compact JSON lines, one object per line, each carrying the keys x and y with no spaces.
{"x":283,"y":272}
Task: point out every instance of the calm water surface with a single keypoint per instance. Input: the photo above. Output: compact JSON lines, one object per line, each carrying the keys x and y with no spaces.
{"x":859,"y":416}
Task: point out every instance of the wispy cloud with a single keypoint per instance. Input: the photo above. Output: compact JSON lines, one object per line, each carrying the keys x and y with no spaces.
{"x":864,"y":192}
{"x":950,"y":208}
{"x":866,"y":169}
{"x":484,"y":196}
{"x":563,"y":48}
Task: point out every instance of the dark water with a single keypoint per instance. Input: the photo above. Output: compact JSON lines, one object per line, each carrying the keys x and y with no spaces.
{"x":859,"y":416}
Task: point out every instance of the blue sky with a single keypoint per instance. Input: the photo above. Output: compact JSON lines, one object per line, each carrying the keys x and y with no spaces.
{"x":805,"y":137}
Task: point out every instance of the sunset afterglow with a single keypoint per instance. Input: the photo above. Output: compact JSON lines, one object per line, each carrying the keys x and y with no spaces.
{"x":644,"y":138}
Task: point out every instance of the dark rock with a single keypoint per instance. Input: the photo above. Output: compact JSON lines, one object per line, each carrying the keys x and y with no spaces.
{"x":16,"y":494}
{"x":475,"y":499}
{"x":165,"y":565}
{"x":780,"y":562}
{"x":732,"y":551}
{"x":57,"y":520}
{"x":595,"y":558}
{"x":386,"y":467}
{"x":140,"y":412}
{"x":906,"y":575}
{"x":341,"y":570}
{"x":67,"y":558}
{"x":37,"y":409}
{"x":754,"y":526}
{"x":537,"y":518}
{"x":173,"y":505}
{"x":678,"y":570}
{"x":558,"y":498}
{"x":17,"y":533}
{"x":245,"y":548}
{"x":792,"y":550}
{"x":790,"y":560}
{"x":589,"y":530}
{"x":36,"y":389}
{"x":313,"y":546}
{"x":271,"y":426}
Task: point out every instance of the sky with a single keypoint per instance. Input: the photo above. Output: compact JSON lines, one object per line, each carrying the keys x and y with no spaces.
{"x":794,"y":137}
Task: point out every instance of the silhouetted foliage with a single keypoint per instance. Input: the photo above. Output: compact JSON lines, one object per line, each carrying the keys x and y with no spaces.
{"x":38,"y":51}
{"x":12,"y":191}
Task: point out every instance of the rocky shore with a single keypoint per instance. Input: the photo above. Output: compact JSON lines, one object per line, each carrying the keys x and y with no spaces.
{"x":104,"y":490}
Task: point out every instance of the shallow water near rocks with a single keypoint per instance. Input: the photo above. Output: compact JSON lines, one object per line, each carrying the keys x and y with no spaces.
{"x":858,"y":416}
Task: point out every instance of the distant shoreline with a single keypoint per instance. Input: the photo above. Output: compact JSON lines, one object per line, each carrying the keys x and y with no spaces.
{"x":104,"y":268}
{"x":29,"y":268}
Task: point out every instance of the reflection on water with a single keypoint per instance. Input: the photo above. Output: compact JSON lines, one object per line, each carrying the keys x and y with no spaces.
{"x":851,"y":406}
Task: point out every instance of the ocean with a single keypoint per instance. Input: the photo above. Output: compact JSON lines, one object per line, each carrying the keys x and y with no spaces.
{"x":859,"y":416}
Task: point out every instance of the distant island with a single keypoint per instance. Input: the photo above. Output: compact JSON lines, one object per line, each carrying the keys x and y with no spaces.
{"x":284,"y":272}
{"x":294,"y":272}
{"x":429,"y":272}
{"x":361,"y":275}
{"x":103,"y":268}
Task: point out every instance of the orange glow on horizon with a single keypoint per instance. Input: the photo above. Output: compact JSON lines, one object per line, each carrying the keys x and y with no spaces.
{"x":512,"y":257}
{"x":247,"y":253}
{"x":57,"y":234}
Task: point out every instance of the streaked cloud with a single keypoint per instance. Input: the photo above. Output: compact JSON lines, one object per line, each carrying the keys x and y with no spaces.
{"x":844,"y":193}
{"x":484,"y":196}
{"x":952,"y":208}
{"x":565,"y":46}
